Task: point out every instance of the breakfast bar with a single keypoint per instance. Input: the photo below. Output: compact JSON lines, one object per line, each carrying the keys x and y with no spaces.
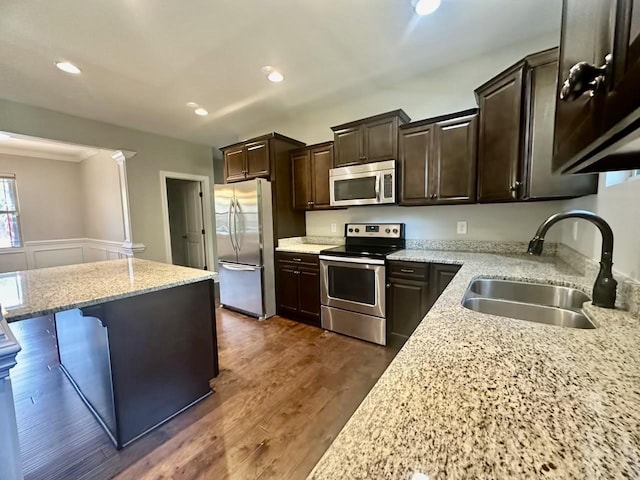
{"x":137,"y":339}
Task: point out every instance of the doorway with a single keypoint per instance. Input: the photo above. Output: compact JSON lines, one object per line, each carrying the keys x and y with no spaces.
{"x":187,"y":224}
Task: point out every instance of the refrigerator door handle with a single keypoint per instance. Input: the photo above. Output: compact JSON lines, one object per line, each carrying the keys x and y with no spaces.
{"x":238,"y":268}
{"x":236,"y":219}
{"x":232,"y":230}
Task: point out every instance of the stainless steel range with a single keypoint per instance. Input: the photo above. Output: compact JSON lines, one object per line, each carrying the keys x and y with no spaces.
{"x":352,"y":280}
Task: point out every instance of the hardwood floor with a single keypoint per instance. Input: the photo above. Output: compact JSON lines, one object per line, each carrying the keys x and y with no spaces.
{"x":284,"y":392}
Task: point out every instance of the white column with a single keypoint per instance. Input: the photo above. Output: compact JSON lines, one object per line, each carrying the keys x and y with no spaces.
{"x":10,"y":463}
{"x":121,"y":157}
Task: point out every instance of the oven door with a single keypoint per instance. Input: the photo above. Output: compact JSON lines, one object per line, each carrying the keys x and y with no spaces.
{"x":353,"y":284}
{"x":363,"y":185}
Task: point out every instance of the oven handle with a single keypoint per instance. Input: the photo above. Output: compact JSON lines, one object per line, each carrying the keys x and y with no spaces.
{"x":367,"y":261}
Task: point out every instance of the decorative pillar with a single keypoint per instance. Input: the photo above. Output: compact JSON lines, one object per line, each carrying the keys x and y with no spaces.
{"x":121,"y":157}
{"x":10,"y":462}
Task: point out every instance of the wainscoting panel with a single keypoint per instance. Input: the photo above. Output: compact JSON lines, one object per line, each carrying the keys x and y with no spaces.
{"x":54,"y":253}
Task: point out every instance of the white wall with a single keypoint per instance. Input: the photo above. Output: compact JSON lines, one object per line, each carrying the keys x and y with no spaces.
{"x":49,"y":196}
{"x":507,"y":222}
{"x":101,"y":198}
{"x":619,"y":205}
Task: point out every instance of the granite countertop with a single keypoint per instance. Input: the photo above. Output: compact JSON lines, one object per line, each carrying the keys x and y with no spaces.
{"x":30,"y":293}
{"x":478,"y":396}
{"x":313,"y":248}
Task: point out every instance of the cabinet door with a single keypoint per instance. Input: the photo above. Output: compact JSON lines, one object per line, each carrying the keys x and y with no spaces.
{"x":416,"y":147}
{"x":453,"y":166}
{"x":258,"y":159}
{"x":348,"y":146}
{"x":310,"y":294}
{"x":301,"y":176}
{"x":624,"y":95}
{"x":499,"y":141}
{"x":440,"y":275}
{"x":234,"y":164}
{"x":586,"y":37}
{"x":288,"y":289}
{"x":380,"y":140}
{"x":321,"y":163}
{"x":407,"y":304}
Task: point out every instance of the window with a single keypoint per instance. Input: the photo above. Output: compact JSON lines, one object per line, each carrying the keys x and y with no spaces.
{"x":9,"y":222}
{"x":614,"y":178}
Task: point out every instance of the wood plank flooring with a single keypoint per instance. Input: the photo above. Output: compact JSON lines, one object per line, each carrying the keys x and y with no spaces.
{"x":284,"y":392}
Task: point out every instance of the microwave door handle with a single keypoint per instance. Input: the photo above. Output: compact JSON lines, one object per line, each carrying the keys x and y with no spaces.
{"x":378,"y":182}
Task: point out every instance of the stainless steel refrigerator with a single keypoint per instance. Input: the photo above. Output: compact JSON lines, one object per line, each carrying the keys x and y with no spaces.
{"x":244,"y":239}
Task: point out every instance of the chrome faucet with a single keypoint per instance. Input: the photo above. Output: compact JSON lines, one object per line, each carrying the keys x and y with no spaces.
{"x":604,"y":290}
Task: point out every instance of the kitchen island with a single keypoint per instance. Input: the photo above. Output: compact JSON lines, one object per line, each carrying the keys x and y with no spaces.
{"x":474,"y":396}
{"x":136,"y":338}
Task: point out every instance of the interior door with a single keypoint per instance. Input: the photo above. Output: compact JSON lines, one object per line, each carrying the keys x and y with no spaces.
{"x":246,"y":222}
{"x":223,"y":196}
{"x":195,"y":253}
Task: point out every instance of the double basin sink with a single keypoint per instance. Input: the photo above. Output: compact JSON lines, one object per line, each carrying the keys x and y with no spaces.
{"x":548,"y":304}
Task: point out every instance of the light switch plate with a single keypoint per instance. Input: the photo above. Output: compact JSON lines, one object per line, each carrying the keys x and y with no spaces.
{"x":462,"y":228}
{"x":334,"y":228}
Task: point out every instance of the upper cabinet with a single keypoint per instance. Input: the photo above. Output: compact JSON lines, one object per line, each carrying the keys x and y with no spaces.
{"x":597,"y":118}
{"x":310,"y":174}
{"x":437,"y":163}
{"x":268,"y":156}
{"x":515,"y":135}
{"x":372,"y":139}
{"x":254,"y":158}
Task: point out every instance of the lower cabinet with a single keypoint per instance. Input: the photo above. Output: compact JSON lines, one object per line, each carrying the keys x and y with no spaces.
{"x":298,"y":287}
{"x":412,"y":288}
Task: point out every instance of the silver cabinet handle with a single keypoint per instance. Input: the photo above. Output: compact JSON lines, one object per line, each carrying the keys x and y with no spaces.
{"x":585,"y":78}
{"x":406,"y":270}
{"x":296,"y":259}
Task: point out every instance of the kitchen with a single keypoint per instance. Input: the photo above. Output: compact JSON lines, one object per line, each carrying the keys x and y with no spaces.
{"x":384,"y":231}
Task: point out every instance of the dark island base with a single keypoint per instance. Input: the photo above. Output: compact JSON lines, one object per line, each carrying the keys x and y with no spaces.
{"x":139,"y":361}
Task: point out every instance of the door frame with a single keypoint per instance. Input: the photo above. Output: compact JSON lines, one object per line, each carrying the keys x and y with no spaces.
{"x":206,"y":211}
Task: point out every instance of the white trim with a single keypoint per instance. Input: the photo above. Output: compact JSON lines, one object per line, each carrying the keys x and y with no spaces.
{"x":206,"y":204}
{"x":121,"y":157}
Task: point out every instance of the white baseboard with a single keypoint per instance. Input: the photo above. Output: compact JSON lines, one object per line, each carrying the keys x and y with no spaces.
{"x":68,"y":251}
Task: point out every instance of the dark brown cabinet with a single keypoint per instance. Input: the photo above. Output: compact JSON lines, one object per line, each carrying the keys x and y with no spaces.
{"x":437,"y":161}
{"x":515,"y":135}
{"x":598,"y":111}
{"x":310,"y":174}
{"x":268,"y":156}
{"x":440,"y":275}
{"x":298,"y":287}
{"x":412,"y":288}
{"x":250,"y":160}
{"x":371,"y":139}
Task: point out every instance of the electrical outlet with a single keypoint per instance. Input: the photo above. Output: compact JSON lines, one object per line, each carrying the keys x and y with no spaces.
{"x":334,"y":228}
{"x":462,"y":228}
{"x":575,"y":231}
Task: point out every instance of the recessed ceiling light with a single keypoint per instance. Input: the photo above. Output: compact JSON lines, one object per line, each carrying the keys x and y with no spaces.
{"x":5,"y":136}
{"x":192,"y":105}
{"x":275,"y":77}
{"x":201,"y":111}
{"x":68,"y":67}
{"x":426,"y":7}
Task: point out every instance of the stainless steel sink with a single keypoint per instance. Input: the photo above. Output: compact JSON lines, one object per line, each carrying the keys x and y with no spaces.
{"x":549,"y":304}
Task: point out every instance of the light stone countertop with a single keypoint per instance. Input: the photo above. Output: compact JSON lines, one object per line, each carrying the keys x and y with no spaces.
{"x":312,"y":248}
{"x":476,"y":396}
{"x":31,"y":293}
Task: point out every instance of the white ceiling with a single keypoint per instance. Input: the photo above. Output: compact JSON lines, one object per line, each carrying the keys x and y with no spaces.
{"x":32,"y":147}
{"x":142,"y":60}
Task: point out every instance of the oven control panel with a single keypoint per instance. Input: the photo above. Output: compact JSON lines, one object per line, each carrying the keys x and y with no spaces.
{"x":374,"y":230}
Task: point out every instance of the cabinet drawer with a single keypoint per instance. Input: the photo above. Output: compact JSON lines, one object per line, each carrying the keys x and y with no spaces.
{"x":409,"y":270}
{"x":305,"y":259}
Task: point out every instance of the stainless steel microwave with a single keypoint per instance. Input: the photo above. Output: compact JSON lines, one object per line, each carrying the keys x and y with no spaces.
{"x":368,"y":184}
